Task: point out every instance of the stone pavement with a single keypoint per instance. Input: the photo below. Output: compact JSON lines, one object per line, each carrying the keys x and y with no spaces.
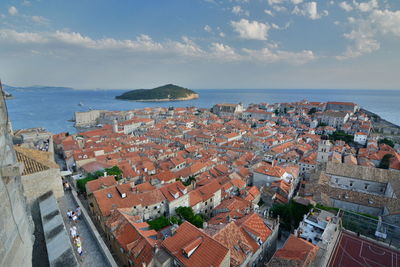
{"x":92,"y":255}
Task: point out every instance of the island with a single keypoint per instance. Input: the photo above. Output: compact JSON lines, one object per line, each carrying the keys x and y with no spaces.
{"x":169,"y":92}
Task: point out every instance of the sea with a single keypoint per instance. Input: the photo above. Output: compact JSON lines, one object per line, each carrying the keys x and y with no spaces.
{"x":53,"y":108}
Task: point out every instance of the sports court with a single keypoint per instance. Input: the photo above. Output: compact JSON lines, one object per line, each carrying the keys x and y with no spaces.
{"x":353,"y":251}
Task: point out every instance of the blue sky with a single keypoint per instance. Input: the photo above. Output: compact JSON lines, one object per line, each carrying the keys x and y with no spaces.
{"x":351,"y":44}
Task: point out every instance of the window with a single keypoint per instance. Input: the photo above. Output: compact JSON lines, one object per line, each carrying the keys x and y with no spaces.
{"x":155,"y":207}
{"x":351,"y":183}
{"x":366,"y":186}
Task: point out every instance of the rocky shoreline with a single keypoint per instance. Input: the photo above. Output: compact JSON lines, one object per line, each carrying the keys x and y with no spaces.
{"x":383,"y":127}
{"x":193,"y":96}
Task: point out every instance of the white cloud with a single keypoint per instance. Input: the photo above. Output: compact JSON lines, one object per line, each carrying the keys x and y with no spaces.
{"x":268,"y":12}
{"x":363,"y":44}
{"x":368,"y":30}
{"x":267,"y":55}
{"x":223,"y":51}
{"x":13,"y":36}
{"x":296,"y":2}
{"x":275,"y":2}
{"x":26,"y":3}
{"x":240,"y":11}
{"x":221,"y":34}
{"x":366,"y":6}
{"x":63,"y":44}
{"x":12,"y":10}
{"x":309,"y":10}
{"x":279,"y":8}
{"x":40,"y":19}
{"x":251,"y":29}
{"x":387,"y":22}
{"x":345,"y":6}
{"x":277,"y":27}
{"x":208,"y":28}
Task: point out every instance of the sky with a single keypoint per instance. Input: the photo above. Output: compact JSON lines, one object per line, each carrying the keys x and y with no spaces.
{"x":214,"y":44}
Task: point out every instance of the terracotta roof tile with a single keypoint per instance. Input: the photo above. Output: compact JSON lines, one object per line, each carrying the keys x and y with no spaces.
{"x":207,"y":251}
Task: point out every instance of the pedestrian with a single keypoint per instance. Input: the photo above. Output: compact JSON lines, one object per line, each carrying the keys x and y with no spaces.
{"x":73,"y":232}
{"x":67,"y":186}
{"x":78,"y":241}
{"x":74,"y":217}
{"x":78,"y":212}
{"x":69,"y":214}
{"x":80,"y":251}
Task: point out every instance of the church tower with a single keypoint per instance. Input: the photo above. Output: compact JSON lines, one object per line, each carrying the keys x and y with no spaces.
{"x":115,"y":126}
{"x":324,"y":149}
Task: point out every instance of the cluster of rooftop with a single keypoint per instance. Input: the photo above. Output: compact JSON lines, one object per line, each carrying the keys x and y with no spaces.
{"x":229,"y":164}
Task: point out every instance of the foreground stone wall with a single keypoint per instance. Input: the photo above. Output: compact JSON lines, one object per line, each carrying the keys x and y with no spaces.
{"x":16,"y":226}
{"x":36,"y":184}
{"x":59,"y":248}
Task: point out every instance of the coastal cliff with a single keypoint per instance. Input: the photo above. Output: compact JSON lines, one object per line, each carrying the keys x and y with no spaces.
{"x":167,"y":92}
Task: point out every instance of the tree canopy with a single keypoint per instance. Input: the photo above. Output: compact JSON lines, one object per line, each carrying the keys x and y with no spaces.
{"x":115,"y":170}
{"x":188,"y":214}
{"x":385,"y":161}
{"x":386,"y":141}
{"x":290,"y":214}
{"x":168,"y":91}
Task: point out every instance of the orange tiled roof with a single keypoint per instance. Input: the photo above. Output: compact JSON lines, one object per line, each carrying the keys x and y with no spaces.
{"x":274,"y":171}
{"x":298,"y":250}
{"x":233,"y":238}
{"x":100,"y":183}
{"x":253,"y":225}
{"x":207,"y":251}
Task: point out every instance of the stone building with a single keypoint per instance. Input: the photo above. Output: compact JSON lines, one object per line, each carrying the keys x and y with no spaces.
{"x":342,"y":106}
{"x":227,"y":109}
{"x":88,"y":118}
{"x":16,"y":226}
{"x":357,"y":188}
{"x":41,"y":174}
{"x":335,"y":119}
{"x":324,"y":149}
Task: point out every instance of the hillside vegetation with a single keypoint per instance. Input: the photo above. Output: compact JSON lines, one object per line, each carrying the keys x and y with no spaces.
{"x":166,"y":92}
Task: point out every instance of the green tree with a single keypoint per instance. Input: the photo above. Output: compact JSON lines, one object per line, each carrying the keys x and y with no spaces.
{"x":115,"y":170}
{"x":386,"y":141}
{"x":189,"y":180}
{"x":159,"y":223}
{"x":385,"y":161}
{"x":188,"y":214}
{"x":197,"y":221}
{"x":81,"y":184}
{"x":290,"y":213}
{"x":312,"y":111}
{"x":340,"y":135}
{"x":185,"y":212}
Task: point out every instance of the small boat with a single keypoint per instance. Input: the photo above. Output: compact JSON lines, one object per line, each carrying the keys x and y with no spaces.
{"x":80,"y":104}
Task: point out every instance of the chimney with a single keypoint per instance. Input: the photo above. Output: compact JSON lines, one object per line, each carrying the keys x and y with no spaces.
{"x":104,"y":174}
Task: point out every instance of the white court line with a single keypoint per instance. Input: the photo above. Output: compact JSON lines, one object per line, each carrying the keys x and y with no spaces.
{"x":344,"y":251}
{"x":375,"y":252}
{"x":337,"y":249}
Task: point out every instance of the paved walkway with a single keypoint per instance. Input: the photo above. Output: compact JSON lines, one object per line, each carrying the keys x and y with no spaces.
{"x":91,"y":251}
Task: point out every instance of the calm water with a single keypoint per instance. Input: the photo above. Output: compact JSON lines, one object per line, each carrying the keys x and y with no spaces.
{"x":51,"y":108}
